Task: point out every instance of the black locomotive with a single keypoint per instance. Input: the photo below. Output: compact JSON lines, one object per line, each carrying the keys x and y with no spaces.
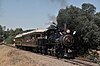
{"x":52,"y":41}
{"x":61,"y":42}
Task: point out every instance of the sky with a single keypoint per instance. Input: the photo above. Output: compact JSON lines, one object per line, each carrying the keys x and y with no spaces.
{"x":30,"y":14}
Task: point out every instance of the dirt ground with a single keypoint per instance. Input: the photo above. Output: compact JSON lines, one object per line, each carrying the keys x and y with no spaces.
{"x":15,"y":57}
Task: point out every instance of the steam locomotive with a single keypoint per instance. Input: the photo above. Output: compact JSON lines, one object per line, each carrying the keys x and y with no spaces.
{"x":52,"y":41}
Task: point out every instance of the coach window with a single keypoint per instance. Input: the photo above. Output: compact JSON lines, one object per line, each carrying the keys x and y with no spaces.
{"x":41,"y":35}
{"x":37,"y":35}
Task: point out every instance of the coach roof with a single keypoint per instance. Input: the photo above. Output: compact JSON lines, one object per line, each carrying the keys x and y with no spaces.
{"x":33,"y":31}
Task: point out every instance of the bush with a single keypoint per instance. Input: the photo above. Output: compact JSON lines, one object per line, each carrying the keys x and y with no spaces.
{"x":94,"y":57}
{"x":9,"y":40}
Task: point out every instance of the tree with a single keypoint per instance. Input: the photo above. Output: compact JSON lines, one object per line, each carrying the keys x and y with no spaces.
{"x":84,"y":22}
{"x":97,"y":19}
{"x":18,"y":31}
{"x":67,"y":16}
{"x":89,"y":8}
{"x":98,"y":14}
{"x":1,"y":30}
{"x":10,"y":34}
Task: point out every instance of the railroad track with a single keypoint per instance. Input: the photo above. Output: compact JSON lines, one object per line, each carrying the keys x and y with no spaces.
{"x":81,"y":62}
{"x":76,"y":61}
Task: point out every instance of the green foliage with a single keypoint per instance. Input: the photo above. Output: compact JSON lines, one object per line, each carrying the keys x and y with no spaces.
{"x":94,"y":57}
{"x":18,"y":31}
{"x":9,"y":35}
{"x":97,"y":19}
{"x":9,"y":40}
{"x":1,"y":30}
{"x":84,"y":21}
{"x":98,"y":14}
{"x":68,"y":16}
{"x":89,"y":8}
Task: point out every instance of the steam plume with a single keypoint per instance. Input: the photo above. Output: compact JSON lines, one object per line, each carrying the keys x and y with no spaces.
{"x":52,"y":18}
{"x":63,"y":3}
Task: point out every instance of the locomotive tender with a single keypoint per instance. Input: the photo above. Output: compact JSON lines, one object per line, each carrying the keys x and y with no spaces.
{"x":52,"y":41}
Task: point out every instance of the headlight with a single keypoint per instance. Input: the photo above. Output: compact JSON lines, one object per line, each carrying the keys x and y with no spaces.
{"x":68,"y":31}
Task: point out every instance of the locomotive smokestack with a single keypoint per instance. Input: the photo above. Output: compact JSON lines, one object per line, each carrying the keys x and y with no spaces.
{"x":65,"y":27}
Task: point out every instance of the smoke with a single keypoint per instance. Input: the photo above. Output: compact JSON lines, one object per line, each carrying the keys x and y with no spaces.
{"x":62,"y":3}
{"x":52,"y":18}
